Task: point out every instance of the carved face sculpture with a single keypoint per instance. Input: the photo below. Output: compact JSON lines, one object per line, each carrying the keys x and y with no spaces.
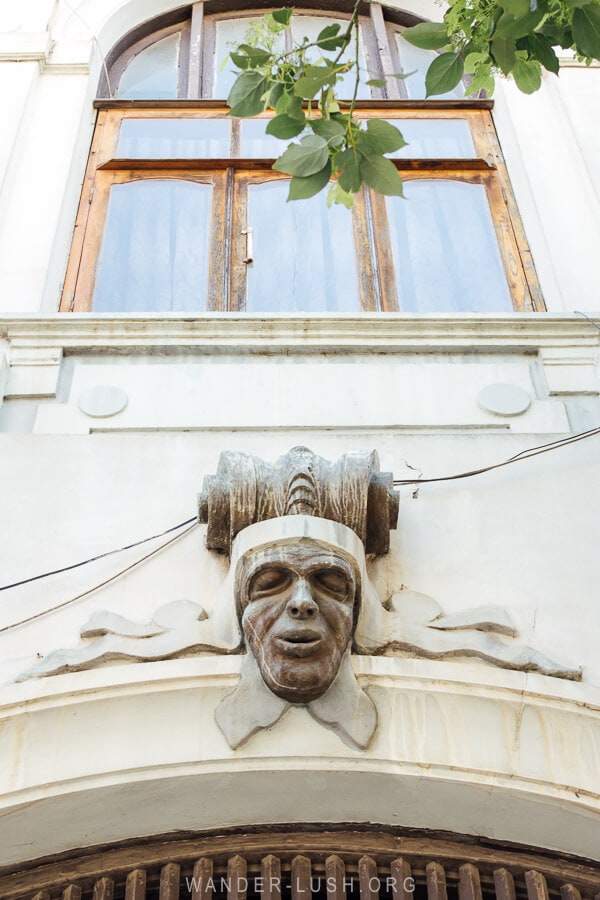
{"x":297,"y":606}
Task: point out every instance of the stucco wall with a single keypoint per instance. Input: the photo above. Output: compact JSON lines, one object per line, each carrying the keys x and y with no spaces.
{"x":461,"y":744}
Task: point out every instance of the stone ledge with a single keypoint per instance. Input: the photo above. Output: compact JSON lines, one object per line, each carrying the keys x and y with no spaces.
{"x":214,"y":332}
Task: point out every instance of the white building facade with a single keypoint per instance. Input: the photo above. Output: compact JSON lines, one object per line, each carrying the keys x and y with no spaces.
{"x":117,"y":780}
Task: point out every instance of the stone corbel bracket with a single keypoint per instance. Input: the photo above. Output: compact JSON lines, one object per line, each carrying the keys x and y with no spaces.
{"x":351,"y":491}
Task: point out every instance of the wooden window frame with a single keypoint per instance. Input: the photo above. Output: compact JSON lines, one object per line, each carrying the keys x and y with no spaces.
{"x":377,"y":292}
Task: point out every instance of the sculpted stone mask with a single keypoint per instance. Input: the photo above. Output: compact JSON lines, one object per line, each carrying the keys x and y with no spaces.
{"x":297,"y":606}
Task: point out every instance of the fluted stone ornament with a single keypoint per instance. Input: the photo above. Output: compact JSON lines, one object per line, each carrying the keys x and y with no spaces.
{"x":350,"y":490}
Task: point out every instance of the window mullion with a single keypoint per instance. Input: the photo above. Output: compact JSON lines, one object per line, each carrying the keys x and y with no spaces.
{"x":392,"y":90}
{"x":195,"y":53}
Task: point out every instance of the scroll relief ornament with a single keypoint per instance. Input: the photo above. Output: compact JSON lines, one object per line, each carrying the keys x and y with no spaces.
{"x":298,"y":602}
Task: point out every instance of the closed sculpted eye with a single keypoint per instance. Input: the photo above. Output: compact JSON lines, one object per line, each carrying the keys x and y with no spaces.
{"x":332,"y":582}
{"x":269,"y":582}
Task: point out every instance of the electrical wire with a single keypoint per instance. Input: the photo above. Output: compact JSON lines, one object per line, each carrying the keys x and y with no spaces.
{"x":579,"y":313}
{"x":95,"y":41}
{"x":94,"y":558}
{"x":96,"y":587}
{"x":524,"y":454}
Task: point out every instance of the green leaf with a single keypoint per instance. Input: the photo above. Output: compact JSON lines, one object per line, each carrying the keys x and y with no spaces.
{"x":586,"y":30}
{"x":329,"y":39}
{"x":284,"y":128}
{"x":386,"y":138}
{"x":336,"y":194}
{"x":332,"y":132}
{"x":504,"y":52}
{"x":575,"y":3}
{"x":347,"y":163}
{"x":540,"y":47}
{"x":305,"y":158}
{"x":427,"y":35}
{"x":303,"y":188}
{"x":246,"y":97}
{"x":276,"y":95}
{"x":376,"y":82}
{"x":290,"y":106}
{"x":443,"y":74}
{"x":516,"y":8}
{"x":473,"y":60}
{"x":484,"y":81}
{"x":557,"y":34}
{"x":315,"y":78}
{"x":381,"y":175}
{"x":242,"y":62}
{"x":511,"y":27}
{"x":527,"y":75}
{"x":283,"y":16}
{"x":256,"y":56}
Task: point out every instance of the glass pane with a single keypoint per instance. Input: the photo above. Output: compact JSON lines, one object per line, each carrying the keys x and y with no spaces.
{"x":435,"y":138}
{"x":229,"y":33}
{"x":154,"y":254}
{"x":412,"y":59}
{"x":444,"y":248}
{"x":254,"y":143}
{"x":174,"y":138}
{"x":152,"y":74}
{"x":304,"y":256}
{"x":310,"y":26}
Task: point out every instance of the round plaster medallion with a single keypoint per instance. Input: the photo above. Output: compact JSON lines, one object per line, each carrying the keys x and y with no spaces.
{"x":102,"y":401}
{"x":504,"y":400}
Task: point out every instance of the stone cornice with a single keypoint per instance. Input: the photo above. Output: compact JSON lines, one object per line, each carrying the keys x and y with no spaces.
{"x":254,"y":332}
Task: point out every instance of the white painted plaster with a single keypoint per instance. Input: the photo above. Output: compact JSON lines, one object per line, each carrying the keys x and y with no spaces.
{"x":230,"y":393}
{"x":525,"y":774}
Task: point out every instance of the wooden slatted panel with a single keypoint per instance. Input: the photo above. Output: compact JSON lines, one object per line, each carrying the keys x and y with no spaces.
{"x":469,"y":885}
{"x":436,"y":882}
{"x":402,"y":881}
{"x":537,"y":889}
{"x":504,"y":884}
{"x":335,"y":874}
{"x":301,"y":871}
{"x":169,"y":882}
{"x":237,"y":871}
{"x":568,"y":892}
{"x":73,"y":892}
{"x":270,"y":870}
{"x":135,"y":885}
{"x":41,"y":895}
{"x":367,"y":878}
{"x":104,"y":889}
{"x":202,"y":874}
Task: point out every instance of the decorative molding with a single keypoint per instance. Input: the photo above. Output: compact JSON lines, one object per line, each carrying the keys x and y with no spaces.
{"x":224,"y":332}
{"x":23,"y":46}
{"x":34,"y":371}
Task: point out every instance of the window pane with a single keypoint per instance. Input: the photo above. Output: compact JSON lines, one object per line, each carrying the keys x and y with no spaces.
{"x":229,"y":33}
{"x":304,"y":257}
{"x":174,"y":138}
{"x":310,"y":26}
{"x":154,"y":254}
{"x":153,"y":74}
{"x":444,"y":248}
{"x":413,"y":59}
{"x":435,"y":138}
{"x":254,"y":143}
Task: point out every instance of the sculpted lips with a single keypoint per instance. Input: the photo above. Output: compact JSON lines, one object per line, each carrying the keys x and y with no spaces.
{"x":299,"y":641}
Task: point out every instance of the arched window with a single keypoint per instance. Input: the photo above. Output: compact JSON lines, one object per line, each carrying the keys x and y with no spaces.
{"x":181,"y":210}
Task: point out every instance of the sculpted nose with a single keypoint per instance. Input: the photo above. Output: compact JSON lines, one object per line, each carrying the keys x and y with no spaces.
{"x":301,"y":604}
